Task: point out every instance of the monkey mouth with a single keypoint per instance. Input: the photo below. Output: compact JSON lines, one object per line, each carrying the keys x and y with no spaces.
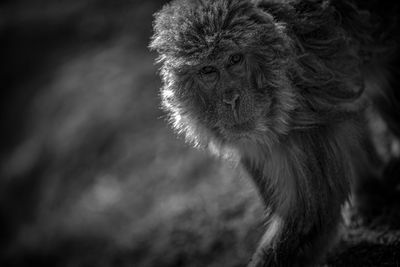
{"x":238,"y":128}
{"x":243,"y":126}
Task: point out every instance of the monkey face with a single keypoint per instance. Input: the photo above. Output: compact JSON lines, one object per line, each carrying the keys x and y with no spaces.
{"x":224,"y":71}
{"x":230,"y":94}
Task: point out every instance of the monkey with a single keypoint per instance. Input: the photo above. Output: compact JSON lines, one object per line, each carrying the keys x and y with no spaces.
{"x":286,"y":90}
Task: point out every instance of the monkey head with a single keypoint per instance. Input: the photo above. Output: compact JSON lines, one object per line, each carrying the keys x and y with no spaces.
{"x":224,"y":72}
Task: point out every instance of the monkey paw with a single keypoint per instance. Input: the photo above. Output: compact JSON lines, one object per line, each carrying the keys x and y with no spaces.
{"x":262,"y":259}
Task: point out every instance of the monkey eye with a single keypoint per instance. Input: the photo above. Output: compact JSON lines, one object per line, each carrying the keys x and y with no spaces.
{"x":235,"y":59}
{"x":208,"y":70}
{"x":209,"y":74}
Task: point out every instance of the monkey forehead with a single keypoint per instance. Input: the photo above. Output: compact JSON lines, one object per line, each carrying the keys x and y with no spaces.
{"x":194,"y":30}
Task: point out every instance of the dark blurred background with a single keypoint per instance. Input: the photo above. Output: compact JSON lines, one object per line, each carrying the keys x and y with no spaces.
{"x":91,"y":174}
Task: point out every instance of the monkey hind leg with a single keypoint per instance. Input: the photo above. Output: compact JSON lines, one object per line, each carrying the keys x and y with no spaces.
{"x":377,"y":170}
{"x":377,"y":167}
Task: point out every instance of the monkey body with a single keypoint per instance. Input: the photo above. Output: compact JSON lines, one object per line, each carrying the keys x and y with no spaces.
{"x":281,"y":86}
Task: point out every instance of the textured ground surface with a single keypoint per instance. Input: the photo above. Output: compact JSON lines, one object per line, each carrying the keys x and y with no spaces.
{"x":92,"y":176}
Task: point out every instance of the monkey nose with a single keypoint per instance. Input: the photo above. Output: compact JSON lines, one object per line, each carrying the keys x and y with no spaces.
{"x":231,"y":98}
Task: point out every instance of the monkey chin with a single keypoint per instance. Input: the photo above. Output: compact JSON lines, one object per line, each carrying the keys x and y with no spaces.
{"x":236,"y":132}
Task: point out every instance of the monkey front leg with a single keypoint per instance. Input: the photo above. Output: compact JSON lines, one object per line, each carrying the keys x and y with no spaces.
{"x":303,"y":185}
{"x":291,"y":242}
{"x":303,"y":222}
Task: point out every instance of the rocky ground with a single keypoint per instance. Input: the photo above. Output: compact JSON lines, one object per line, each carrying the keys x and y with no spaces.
{"x":91,"y":175}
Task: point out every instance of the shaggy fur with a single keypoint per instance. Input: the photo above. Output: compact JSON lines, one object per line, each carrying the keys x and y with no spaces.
{"x":283,"y":87}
